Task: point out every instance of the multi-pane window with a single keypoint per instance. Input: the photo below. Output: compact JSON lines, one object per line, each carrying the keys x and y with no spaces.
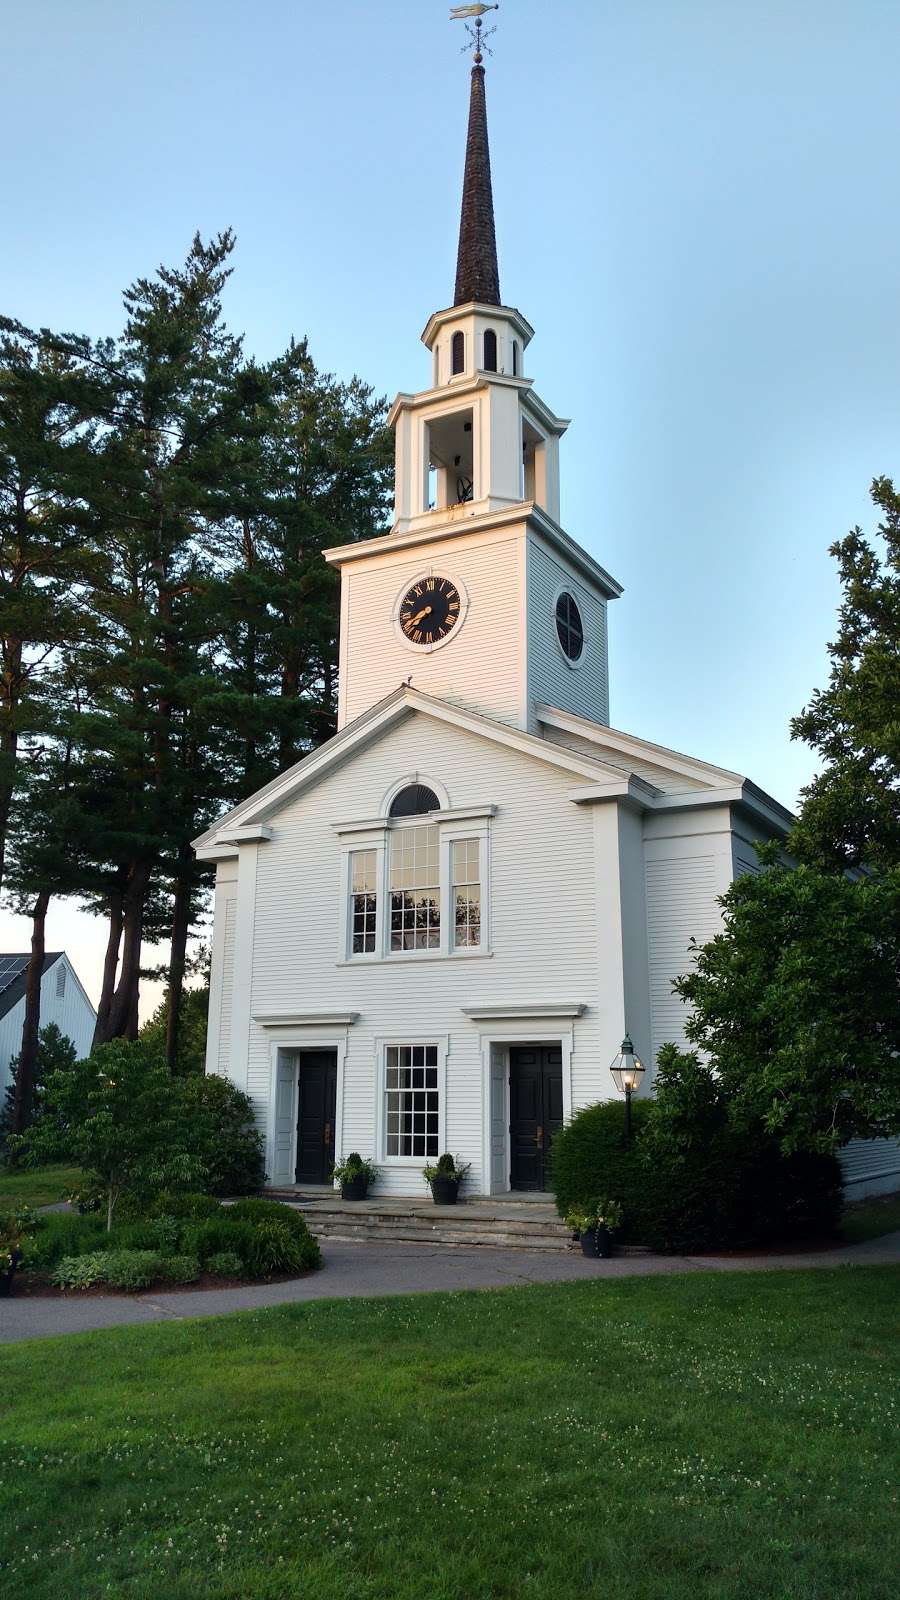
{"x":411,"y":1100}
{"x":415,"y":889}
{"x":465,"y":880}
{"x":363,"y":900}
{"x":569,"y":626}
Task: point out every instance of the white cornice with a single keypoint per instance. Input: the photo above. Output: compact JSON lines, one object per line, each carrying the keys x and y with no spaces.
{"x":305,"y":1019}
{"x":509,"y":1011}
{"x":525,"y":511}
{"x":439,"y":319}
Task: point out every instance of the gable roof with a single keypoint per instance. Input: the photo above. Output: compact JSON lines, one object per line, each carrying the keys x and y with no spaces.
{"x":13,"y":969}
{"x":693,"y":782}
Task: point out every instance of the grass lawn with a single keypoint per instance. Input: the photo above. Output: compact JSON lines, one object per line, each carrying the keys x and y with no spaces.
{"x":868,"y":1219}
{"x":691,"y":1436}
{"x":37,"y":1186}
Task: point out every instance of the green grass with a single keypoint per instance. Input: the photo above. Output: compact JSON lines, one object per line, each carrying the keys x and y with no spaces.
{"x":37,"y":1186}
{"x":692,"y":1437}
{"x":869,"y":1219}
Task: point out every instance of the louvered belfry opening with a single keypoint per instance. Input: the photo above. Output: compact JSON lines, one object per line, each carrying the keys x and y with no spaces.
{"x":477,"y":274}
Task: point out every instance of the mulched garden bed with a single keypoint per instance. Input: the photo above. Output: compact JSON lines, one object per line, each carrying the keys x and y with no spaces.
{"x":37,"y":1285}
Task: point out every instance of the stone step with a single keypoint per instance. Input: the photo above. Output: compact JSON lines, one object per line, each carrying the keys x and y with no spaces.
{"x":495,"y":1238}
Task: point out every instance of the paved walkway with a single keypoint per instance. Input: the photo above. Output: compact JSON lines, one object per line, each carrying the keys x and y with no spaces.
{"x":360,"y":1270}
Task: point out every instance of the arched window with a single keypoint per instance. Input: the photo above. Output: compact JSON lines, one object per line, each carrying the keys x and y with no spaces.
{"x":458,"y":352}
{"x":515,"y":358}
{"x":414,"y":801}
{"x":490,"y":351}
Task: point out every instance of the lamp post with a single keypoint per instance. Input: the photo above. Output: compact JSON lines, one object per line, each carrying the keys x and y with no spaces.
{"x":627,"y":1070}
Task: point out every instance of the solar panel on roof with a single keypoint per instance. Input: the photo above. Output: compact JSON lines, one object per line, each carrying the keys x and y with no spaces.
{"x":10,"y":968}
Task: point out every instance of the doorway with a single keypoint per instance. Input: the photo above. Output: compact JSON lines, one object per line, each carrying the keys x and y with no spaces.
{"x":316,"y":1107}
{"x":535,"y":1112}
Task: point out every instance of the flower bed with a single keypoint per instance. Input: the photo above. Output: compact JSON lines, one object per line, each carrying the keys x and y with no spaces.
{"x":185,"y":1241}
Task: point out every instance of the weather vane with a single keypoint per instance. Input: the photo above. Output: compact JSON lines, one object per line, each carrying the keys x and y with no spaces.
{"x":476,"y":38}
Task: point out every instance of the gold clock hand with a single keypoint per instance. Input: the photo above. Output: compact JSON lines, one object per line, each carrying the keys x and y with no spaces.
{"x":425,"y":612}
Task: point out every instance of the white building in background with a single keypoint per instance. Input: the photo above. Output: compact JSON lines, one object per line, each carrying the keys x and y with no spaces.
{"x":63,"y":1001}
{"x":433,"y":932}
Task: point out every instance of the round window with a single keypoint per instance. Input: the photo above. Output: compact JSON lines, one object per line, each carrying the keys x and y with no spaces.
{"x":569,"y":626}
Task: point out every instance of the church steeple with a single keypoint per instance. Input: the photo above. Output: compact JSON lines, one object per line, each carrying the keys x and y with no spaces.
{"x":477,"y":275}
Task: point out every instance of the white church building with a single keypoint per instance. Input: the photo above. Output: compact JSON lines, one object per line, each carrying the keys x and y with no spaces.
{"x":432,"y":933}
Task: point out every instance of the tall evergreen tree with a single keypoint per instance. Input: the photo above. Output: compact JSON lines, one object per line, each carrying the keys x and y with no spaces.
{"x":48,"y":472}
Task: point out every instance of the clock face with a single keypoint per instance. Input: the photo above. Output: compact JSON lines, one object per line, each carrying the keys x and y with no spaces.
{"x":428,"y":610}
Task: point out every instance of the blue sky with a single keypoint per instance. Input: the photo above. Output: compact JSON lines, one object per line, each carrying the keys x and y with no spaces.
{"x":696,"y":209}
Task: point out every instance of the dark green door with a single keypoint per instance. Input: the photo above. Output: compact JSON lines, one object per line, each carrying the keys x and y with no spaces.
{"x":316,"y":1102}
{"x":535,"y":1112}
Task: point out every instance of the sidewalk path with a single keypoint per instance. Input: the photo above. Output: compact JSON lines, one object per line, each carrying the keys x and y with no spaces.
{"x":366,"y":1270}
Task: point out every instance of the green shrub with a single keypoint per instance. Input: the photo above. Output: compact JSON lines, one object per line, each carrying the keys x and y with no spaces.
{"x":219,"y":1132}
{"x":225,"y":1264}
{"x":180,"y":1269}
{"x":278,"y":1248}
{"x":590,"y":1157}
{"x":131,"y":1269}
{"x":198,"y":1207}
{"x":712,"y":1182}
{"x":205,"y":1239}
{"x":80,"y":1272}
{"x":58,"y":1234}
{"x":156,"y":1233}
{"x":257,"y":1211}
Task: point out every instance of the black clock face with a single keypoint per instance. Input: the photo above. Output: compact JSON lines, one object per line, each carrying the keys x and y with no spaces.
{"x":429,"y":610}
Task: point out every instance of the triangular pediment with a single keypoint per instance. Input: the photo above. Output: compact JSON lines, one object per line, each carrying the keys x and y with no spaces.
{"x":357,"y":736}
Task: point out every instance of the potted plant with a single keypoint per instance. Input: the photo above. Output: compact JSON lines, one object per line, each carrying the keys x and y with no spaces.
{"x":354,"y":1176}
{"x":607,"y":1222}
{"x":595,"y":1225}
{"x":445,"y":1179}
{"x":13,"y":1227}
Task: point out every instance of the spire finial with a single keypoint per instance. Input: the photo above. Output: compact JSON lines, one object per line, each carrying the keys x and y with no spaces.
{"x":463,"y":14}
{"x":477,"y":275}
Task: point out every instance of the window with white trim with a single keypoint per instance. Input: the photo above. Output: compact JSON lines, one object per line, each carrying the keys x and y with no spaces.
{"x":465,"y":888}
{"x":363,"y":901}
{"x":415,"y":888}
{"x":411,"y":1101}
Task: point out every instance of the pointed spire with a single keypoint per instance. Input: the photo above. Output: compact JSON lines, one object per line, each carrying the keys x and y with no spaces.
{"x":477,"y":276}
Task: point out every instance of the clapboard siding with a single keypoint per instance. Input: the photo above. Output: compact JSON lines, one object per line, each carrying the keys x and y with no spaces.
{"x":583,"y":687}
{"x":542,"y":927}
{"x":375,"y":661}
{"x":680,"y":905}
{"x":870,"y":1166}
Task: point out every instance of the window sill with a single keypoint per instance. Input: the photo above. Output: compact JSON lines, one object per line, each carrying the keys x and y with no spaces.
{"x":404,"y":957}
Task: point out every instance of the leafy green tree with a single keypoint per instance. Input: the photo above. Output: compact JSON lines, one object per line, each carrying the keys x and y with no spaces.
{"x":850,"y":815}
{"x":797,"y":1003}
{"x":190,"y":1057}
{"x":55,"y":1053}
{"x":116,"y":1115}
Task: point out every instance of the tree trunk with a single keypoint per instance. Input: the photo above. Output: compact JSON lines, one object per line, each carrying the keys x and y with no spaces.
{"x":122,"y":1022}
{"x":110,"y":963}
{"x":24,"y":1101}
{"x":181,"y":914}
